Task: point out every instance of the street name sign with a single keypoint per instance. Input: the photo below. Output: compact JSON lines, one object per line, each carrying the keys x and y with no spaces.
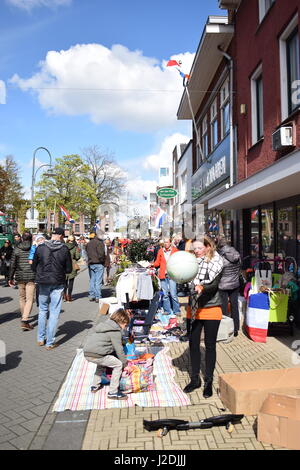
{"x":31,"y":223}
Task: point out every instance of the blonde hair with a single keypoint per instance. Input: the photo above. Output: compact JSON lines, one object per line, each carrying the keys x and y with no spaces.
{"x":120,"y":316}
{"x":208,"y":243}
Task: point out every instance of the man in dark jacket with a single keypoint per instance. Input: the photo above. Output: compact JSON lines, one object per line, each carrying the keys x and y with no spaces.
{"x":24,"y":276}
{"x":230,"y":281}
{"x":96,"y":260}
{"x":51,"y":262}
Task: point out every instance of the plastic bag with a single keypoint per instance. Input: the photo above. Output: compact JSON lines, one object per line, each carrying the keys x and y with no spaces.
{"x":138,"y":376}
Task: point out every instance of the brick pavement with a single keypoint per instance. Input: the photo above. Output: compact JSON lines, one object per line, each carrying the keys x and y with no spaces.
{"x":32,"y":376}
{"x":123,"y":429}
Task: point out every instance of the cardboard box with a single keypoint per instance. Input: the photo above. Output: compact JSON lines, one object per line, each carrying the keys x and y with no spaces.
{"x":108,"y":305}
{"x":103,"y":308}
{"x":244,"y":393}
{"x":279,"y":421}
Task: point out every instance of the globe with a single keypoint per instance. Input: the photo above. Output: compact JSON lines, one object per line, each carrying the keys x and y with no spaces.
{"x":182,"y":267}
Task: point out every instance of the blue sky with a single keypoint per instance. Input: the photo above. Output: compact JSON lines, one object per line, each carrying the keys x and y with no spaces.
{"x":80,"y":73}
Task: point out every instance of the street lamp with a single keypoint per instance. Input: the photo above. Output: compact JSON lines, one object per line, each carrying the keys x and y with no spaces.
{"x":34,"y":173}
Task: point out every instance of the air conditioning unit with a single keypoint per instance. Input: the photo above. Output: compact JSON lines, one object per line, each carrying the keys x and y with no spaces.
{"x":282,"y":138}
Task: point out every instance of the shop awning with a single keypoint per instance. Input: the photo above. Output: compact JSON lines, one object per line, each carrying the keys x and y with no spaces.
{"x":278,"y":181}
{"x":217,"y":32}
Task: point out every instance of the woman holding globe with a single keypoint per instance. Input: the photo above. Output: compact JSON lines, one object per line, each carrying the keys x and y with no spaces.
{"x":204,"y":311}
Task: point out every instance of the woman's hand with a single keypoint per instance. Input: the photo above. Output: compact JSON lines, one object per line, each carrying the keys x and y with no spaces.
{"x":199,"y":289}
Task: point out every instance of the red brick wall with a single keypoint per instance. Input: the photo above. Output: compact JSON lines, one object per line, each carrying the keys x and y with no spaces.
{"x":259,"y":43}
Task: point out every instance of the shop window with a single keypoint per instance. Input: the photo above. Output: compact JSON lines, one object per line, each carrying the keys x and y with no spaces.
{"x":298,"y":240}
{"x":286,"y":241}
{"x":219,"y":223}
{"x":254,"y":233}
{"x":77,"y":228}
{"x":267,"y":225}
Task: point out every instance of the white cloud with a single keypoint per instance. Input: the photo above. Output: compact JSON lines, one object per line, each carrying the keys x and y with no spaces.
{"x":27,"y":192}
{"x":37,"y":163}
{"x":29,"y":4}
{"x":164,"y":156}
{"x":2,"y":92}
{"x":115,"y":86}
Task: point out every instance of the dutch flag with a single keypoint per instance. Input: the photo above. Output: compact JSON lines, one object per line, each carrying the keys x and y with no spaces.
{"x":160,"y":218}
{"x":66,"y":214}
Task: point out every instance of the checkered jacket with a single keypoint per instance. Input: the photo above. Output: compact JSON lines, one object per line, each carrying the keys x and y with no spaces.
{"x":208,"y":269}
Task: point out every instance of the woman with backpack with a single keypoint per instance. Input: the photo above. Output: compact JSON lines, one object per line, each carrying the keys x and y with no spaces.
{"x":229,"y":286}
{"x":21,"y":269}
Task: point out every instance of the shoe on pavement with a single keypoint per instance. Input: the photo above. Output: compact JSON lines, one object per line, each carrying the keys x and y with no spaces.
{"x":51,"y":346}
{"x":41,"y":343}
{"x":91,"y":299}
{"x":25,"y":325}
{"x":96,"y":388}
{"x":117,"y":396}
{"x":193,"y":385}
{"x":207,"y":391}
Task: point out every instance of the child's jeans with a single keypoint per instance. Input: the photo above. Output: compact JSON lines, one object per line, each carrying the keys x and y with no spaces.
{"x":107,"y":361}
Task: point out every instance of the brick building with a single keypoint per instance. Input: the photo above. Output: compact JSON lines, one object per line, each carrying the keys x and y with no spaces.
{"x":261,"y":192}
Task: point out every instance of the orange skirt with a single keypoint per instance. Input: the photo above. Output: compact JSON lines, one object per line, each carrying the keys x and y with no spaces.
{"x":208,"y":313}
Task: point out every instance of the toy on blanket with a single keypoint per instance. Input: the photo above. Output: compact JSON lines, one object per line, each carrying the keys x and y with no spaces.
{"x":138,"y":375}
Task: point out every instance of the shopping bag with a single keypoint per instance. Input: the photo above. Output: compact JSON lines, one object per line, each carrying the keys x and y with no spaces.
{"x":138,"y":377}
{"x":278,"y":307}
{"x":262,"y":277}
{"x":257,"y":317}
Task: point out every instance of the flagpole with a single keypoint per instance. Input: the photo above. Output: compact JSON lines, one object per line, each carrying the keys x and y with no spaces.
{"x":193,"y":118}
{"x":54,"y":211}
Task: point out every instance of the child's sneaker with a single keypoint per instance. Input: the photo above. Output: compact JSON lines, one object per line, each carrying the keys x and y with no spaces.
{"x":96,"y":388}
{"x":117,"y":396}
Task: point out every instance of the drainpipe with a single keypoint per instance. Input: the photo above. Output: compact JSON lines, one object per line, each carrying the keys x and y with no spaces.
{"x":230,"y":60}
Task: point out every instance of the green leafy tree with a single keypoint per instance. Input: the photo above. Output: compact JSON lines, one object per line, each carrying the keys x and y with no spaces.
{"x":67,"y":187}
{"x":4,"y":182}
{"x":13,"y":192}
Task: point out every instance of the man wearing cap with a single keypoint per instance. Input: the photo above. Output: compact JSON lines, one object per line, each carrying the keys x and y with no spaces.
{"x":96,"y":260}
{"x":51,"y":262}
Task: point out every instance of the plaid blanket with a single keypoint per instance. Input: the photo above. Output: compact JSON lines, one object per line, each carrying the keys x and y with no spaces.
{"x":75,"y":392}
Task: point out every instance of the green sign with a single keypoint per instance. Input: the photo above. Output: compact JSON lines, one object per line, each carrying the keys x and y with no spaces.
{"x":166,"y":193}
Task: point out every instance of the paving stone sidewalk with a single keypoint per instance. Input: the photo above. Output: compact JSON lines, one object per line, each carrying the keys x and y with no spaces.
{"x":31,"y":375}
{"x":122,"y":429}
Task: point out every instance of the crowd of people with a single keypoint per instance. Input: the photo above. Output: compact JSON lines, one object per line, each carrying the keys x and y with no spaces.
{"x":45,"y":269}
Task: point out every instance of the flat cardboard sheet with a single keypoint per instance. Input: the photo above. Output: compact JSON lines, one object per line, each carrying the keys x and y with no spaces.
{"x":245,"y":392}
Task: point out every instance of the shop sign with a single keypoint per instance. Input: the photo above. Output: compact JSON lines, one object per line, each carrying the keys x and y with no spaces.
{"x":166,"y":193}
{"x":213,"y":171}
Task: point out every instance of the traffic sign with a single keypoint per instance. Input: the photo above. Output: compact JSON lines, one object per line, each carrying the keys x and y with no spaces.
{"x":166,"y":193}
{"x":31,"y":223}
{"x":35,"y":214}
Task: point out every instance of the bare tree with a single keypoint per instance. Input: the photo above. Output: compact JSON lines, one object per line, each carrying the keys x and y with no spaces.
{"x":105,"y":176}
